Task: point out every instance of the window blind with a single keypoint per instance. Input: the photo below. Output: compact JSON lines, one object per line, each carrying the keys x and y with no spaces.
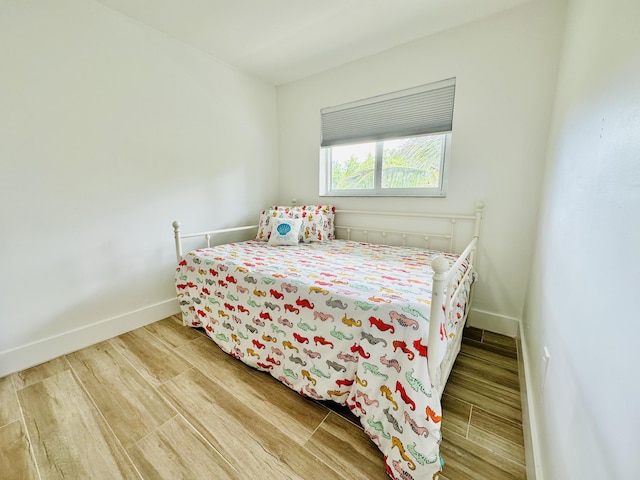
{"x":416,"y":111}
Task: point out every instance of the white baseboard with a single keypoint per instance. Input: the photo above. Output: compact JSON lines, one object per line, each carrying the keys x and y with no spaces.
{"x":25,"y":356}
{"x":529,"y":419}
{"x":494,"y":322}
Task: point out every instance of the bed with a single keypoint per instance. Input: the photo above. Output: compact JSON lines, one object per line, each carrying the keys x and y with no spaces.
{"x":341,"y":312}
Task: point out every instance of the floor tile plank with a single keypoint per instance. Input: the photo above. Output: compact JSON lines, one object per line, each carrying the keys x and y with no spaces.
{"x":9,"y":406}
{"x":239,"y":433}
{"x":176,"y":451}
{"x":506,"y":343}
{"x":354,"y":453}
{"x":487,"y":371}
{"x":70,"y":438}
{"x":455,"y":415}
{"x":490,"y":353}
{"x":498,"y":434}
{"x":467,"y":460}
{"x":131,"y":407}
{"x":150,"y":356}
{"x":473,"y":333}
{"x":173,"y":333}
{"x":16,"y":460}
{"x":40,"y":372}
{"x":492,"y":398}
{"x":258,"y":389}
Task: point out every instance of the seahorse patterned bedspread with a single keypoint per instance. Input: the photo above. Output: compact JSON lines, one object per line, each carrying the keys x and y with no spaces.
{"x":339,"y":320}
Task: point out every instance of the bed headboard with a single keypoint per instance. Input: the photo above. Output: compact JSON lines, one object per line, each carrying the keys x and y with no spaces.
{"x":356,"y":225}
{"x":427,"y":228}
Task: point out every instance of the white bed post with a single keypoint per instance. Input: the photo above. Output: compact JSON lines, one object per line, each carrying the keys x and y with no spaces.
{"x":440,"y":267}
{"x":476,"y":234}
{"x":176,"y":234}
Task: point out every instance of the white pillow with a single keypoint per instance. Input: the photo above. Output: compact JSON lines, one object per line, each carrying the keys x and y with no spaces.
{"x":285,"y":231}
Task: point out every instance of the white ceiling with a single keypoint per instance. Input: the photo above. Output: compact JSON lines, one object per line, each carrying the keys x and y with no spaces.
{"x":284,"y":40}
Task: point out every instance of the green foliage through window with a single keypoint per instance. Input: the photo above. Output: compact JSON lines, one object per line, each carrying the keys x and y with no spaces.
{"x":406,"y":163}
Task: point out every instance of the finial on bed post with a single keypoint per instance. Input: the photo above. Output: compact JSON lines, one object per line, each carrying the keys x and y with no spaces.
{"x":440,"y":266}
{"x":176,"y":235}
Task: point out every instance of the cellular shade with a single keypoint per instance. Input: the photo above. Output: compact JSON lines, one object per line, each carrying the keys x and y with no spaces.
{"x":415,"y":111}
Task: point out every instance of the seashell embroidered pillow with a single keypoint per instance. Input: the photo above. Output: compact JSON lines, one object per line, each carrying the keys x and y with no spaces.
{"x":285,"y":231}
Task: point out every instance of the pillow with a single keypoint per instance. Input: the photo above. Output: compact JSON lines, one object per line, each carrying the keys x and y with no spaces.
{"x":265,"y":225}
{"x":317,"y":223}
{"x":285,"y":231}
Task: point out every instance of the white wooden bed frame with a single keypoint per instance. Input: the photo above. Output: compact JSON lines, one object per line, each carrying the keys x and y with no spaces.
{"x":442,"y":285}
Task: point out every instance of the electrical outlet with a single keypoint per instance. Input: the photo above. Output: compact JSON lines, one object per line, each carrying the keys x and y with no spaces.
{"x":546,"y":356}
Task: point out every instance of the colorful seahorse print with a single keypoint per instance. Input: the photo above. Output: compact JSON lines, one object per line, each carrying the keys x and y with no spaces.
{"x":370,"y":367}
{"x":367,"y":400}
{"x":432,"y":415}
{"x":404,"y":475}
{"x":396,"y":442}
{"x":297,"y":360}
{"x":307,"y":375}
{"x":306,"y":327}
{"x":277,"y":331}
{"x":403,"y":394}
{"x":416,"y":384}
{"x":389,"y":396}
{"x":422,"y":431}
{"x":340,"y":335}
{"x":320,"y":373}
{"x":222,"y":337}
{"x":393,"y":363}
{"x":337,"y":393}
{"x":371,"y":339}
{"x":364,"y":305}
{"x":398,"y":344}
{"x":420,"y":458}
{"x":378,"y":426}
{"x":392,"y":420}
{"x":404,"y":320}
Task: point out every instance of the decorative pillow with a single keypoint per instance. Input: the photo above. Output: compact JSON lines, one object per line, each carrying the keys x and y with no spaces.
{"x":267,"y":218}
{"x":318,"y":220}
{"x":285,"y":231}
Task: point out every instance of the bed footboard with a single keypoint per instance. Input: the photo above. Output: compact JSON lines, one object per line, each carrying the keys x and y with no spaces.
{"x":444,"y":297}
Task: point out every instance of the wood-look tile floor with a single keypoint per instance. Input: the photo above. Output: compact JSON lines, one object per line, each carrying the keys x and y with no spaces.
{"x":163,"y":402}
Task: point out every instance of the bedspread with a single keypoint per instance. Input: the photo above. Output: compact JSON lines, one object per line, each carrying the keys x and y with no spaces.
{"x":341,"y":320}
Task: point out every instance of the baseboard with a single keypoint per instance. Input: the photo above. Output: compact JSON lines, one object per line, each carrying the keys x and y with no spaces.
{"x":529,"y":419}
{"x":25,"y":356}
{"x":494,"y":322}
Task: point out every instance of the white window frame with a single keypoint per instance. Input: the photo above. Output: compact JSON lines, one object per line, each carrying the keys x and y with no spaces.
{"x":326,"y":181}
{"x":412,"y":112}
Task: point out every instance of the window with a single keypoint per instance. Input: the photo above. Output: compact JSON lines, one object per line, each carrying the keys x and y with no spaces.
{"x":402,"y":166}
{"x":395,"y":144}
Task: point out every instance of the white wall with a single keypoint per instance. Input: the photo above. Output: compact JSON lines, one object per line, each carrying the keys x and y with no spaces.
{"x":109,"y":131}
{"x":582,"y":300}
{"x":506,"y":71}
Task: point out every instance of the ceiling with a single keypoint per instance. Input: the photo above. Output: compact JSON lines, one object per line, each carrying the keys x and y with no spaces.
{"x":281,"y":41}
